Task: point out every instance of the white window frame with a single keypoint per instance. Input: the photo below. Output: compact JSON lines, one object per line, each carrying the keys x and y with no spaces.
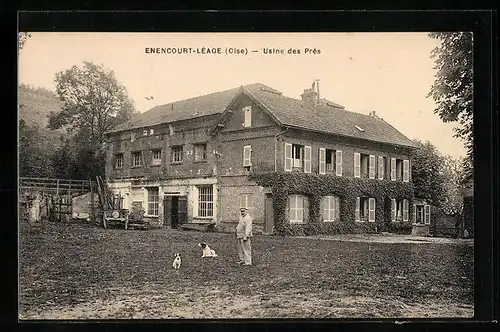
{"x":381,"y":167}
{"x":307,"y":159}
{"x":177,"y":153}
{"x":393,"y":169}
{"x":297,"y":162}
{"x":331,"y":208}
{"x":357,"y":164}
{"x":288,"y":157}
{"x":206,"y":201}
{"x":247,"y":156}
{"x":322,"y":161}
{"x":136,"y":158}
{"x":246,"y":200}
{"x":156,"y":161}
{"x":119,"y":160}
{"x":200,"y":148}
{"x":298,"y":209}
{"x":371,"y":167}
{"x":247,"y":111}
{"x":338,"y":163}
{"x":153,"y":205}
{"x":406,"y":171}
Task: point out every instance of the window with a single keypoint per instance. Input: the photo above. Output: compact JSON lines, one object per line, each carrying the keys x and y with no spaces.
{"x":296,"y":210}
{"x":205,"y":201}
{"x":399,"y":210}
{"x":119,"y":161}
{"x":153,"y":201}
{"x":330,"y":208}
{"x":365,"y":209}
{"x":247,"y":157}
{"x":330,"y":161}
{"x":364,"y":165}
{"x":406,"y":170}
{"x":422,"y":214}
{"x":399,"y":169}
{"x":200,"y":152}
{"x":297,"y":157}
{"x":145,"y":132}
{"x":177,"y":154}
{"x":246,"y":201}
{"x":136,"y":159}
{"x":381,"y":167}
{"x":156,"y":157}
{"x":248,"y":116}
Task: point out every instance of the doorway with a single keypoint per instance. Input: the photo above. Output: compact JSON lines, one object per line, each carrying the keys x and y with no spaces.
{"x":175,"y":210}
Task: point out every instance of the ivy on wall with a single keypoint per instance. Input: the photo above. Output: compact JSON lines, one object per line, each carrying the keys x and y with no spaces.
{"x":315,"y":186}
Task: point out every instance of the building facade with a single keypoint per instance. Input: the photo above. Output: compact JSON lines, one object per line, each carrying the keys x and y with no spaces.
{"x":195,"y":161}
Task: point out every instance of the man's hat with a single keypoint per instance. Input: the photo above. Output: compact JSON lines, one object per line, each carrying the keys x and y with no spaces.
{"x":243,"y":209}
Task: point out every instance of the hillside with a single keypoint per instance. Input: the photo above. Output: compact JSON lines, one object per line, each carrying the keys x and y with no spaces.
{"x":34,"y":106}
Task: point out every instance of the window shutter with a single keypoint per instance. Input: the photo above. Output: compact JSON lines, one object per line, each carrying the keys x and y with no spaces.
{"x":371,"y":171}
{"x":406,"y":170}
{"x":427,"y":216}
{"x":307,"y":159}
{"x":371,"y":209}
{"x":337,"y":211}
{"x":393,"y":169}
{"x":357,"y":166}
{"x":356,"y":214}
{"x":405,"y":209}
{"x":414,"y":217}
{"x":248,"y":116}
{"x":338,"y":163}
{"x":247,"y":153}
{"x":322,"y":161}
{"x":393,"y":209}
{"x":288,"y":157}
{"x":380,"y":168}
{"x":324,"y":208}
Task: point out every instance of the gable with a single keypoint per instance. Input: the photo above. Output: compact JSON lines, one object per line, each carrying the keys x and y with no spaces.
{"x":236,"y":120}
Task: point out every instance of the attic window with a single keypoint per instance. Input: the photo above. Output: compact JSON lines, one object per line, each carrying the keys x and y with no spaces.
{"x":145,"y":133}
{"x":151,"y":131}
{"x":359,"y":128}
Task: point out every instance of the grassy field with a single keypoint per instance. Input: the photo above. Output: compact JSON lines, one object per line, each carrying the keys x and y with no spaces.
{"x":78,"y":271}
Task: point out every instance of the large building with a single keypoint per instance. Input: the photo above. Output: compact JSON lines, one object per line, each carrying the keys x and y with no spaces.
{"x":195,"y":161}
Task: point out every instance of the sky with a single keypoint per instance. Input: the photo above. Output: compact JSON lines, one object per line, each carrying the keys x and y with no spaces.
{"x":389,"y":73}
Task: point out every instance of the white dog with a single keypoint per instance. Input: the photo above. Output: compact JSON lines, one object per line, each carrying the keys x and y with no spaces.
{"x":177,"y":261}
{"x":207,"y":252}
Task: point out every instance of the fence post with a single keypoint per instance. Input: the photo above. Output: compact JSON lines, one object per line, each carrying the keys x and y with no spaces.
{"x":92,"y":213}
{"x":57,"y":187}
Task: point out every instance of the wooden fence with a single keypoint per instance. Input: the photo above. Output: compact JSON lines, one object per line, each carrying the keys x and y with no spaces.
{"x":57,"y":186}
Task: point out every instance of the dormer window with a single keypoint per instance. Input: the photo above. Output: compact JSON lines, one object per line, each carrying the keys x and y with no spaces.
{"x":359,"y":128}
{"x":248,"y":116}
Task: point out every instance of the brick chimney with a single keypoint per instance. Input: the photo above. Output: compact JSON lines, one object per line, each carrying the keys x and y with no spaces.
{"x":309,"y":96}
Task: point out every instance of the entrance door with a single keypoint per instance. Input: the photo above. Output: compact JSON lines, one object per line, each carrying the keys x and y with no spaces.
{"x":268,"y":214}
{"x":175,"y":210}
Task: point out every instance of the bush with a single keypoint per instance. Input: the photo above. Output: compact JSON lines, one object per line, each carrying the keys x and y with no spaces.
{"x":315,"y":186}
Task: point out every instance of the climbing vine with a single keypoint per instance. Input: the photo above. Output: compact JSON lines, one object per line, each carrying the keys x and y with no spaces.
{"x":315,"y":186}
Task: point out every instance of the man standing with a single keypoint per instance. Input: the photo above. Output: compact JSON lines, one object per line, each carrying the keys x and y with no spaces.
{"x":243,"y":235}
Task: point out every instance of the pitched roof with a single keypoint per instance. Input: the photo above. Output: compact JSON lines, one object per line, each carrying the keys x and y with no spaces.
{"x":327,"y":117}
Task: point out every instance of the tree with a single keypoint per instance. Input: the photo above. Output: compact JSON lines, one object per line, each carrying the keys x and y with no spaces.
{"x":453,"y":172}
{"x":427,"y":174}
{"x":94,"y":102}
{"x":33,"y":159}
{"x":452,"y":90}
{"x":23,"y":36}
